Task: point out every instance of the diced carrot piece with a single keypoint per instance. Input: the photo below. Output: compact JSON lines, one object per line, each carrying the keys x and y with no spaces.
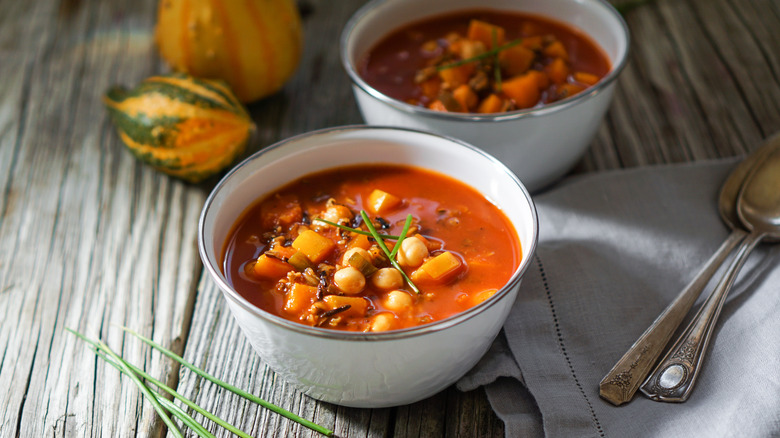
{"x":359,"y":241}
{"x":567,"y":90}
{"x":300,"y":297}
{"x":523,"y":89}
{"x":281,"y":210}
{"x":380,"y":202}
{"x":491,"y":104}
{"x":533,"y":43}
{"x":466,"y":96}
{"x":585,"y":78}
{"x":557,"y":70}
{"x":357,"y":305}
{"x":313,"y":245}
{"x":456,"y":76}
{"x":438,"y":269}
{"x":516,"y":60}
{"x":437,"y":105}
{"x":271,"y":267}
{"x":485,"y":32}
{"x":542,"y":81}
{"x":556,"y":50}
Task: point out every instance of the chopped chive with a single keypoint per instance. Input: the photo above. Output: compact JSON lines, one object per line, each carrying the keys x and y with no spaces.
{"x":229,"y":387}
{"x":354,"y":230}
{"x":141,"y":386}
{"x":481,"y":56}
{"x":401,"y":238}
{"x":379,"y":240}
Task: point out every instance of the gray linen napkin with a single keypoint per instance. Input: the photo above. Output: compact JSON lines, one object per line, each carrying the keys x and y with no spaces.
{"x":614,"y":249}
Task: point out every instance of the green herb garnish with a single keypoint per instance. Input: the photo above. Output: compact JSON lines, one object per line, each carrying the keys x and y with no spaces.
{"x":489,"y":53}
{"x":379,"y":241}
{"x":496,"y":61}
{"x":355,"y":230}
{"x":162,"y":404}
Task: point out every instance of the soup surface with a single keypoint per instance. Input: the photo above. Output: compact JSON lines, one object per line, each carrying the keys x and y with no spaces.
{"x":457,"y":251}
{"x":484,"y":61}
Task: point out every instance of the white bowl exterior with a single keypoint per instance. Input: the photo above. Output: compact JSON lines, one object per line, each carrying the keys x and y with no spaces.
{"x":538,"y":145}
{"x":331,"y":365}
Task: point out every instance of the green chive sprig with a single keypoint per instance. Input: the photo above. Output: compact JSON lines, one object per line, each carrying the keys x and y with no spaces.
{"x":380,"y":241}
{"x":161,"y":404}
{"x":484,"y":55}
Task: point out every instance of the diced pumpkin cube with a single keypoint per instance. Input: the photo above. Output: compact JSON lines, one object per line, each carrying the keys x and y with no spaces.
{"x":542,"y":81}
{"x":466,"y":96}
{"x":380,"y":202}
{"x":359,"y":241}
{"x":357,"y":305}
{"x":486,"y":33}
{"x":314,"y":246}
{"x":523,"y":89}
{"x":430,"y":87}
{"x":585,"y":78}
{"x":556,"y":50}
{"x":567,"y":90}
{"x":271,"y":267}
{"x":557,"y":70}
{"x":300,"y":297}
{"x":516,"y":60}
{"x":455,"y":76}
{"x":438,"y":269}
{"x":491,"y":104}
{"x":533,"y":43}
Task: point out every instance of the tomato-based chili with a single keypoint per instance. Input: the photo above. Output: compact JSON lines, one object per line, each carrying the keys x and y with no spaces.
{"x":286,"y":255}
{"x":484,"y":61}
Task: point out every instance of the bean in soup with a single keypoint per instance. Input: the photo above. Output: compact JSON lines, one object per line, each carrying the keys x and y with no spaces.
{"x":287,"y":255}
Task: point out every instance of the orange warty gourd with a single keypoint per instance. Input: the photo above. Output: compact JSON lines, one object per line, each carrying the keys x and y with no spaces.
{"x":253,"y":45}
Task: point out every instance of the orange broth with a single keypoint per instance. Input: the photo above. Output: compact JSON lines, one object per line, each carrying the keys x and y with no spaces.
{"x":451,"y":217}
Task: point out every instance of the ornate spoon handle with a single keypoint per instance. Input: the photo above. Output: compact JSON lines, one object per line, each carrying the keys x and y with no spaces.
{"x":673,"y":378}
{"x":622,"y":381}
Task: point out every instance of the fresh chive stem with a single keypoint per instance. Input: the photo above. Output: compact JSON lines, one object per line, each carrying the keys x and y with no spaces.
{"x":229,"y":387}
{"x":381,"y":243}
{"x":481,"y":56}
{"x":401,"y":238}
{"x":141,"y":386}
{"x":189,"y":403}
{"x":355,"y":230}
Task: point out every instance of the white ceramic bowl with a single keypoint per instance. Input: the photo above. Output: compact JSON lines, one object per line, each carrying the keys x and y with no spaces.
{"x":539,"y":145}
{"x":367,"y":369}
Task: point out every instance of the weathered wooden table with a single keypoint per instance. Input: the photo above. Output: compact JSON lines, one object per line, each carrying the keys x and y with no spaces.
{"x":91,"y":238}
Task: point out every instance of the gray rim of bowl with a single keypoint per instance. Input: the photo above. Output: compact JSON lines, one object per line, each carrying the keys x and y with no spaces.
{"x":498,"y":117}
{"x":459,"y":318}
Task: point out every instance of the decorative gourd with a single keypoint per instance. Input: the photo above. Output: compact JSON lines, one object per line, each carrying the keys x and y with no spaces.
{"x":253,"y":45}
{"x":186,"y":127}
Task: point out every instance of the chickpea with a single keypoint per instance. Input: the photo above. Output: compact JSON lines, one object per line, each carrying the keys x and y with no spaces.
{"x":335,"y":212}
{"x":349,"y":280}
{"x":382,"y":322}
{"x":413,"y":252}
{"x":351,"y":251}
{"x":387,"y":279}
{"x":398,"y":300}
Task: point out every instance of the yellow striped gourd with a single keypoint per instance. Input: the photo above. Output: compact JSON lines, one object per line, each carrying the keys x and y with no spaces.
{"x":187,"y":127}
{"x":253,"y":45}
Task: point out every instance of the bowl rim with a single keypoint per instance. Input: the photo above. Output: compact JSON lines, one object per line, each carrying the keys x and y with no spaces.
{"x":436,"y":326}
{"x":560,"y":105}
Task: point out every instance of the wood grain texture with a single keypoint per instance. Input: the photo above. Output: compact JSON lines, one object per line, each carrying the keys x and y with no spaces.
{"x":90,"y":237}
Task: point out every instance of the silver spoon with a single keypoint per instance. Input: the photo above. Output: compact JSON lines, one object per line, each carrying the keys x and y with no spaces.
{"x":623,"y":380}
{"x":758,"y":207}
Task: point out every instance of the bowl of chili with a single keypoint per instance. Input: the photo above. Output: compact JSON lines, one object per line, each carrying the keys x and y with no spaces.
{"x":527,"y":81}
{"x":276,"y":231}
